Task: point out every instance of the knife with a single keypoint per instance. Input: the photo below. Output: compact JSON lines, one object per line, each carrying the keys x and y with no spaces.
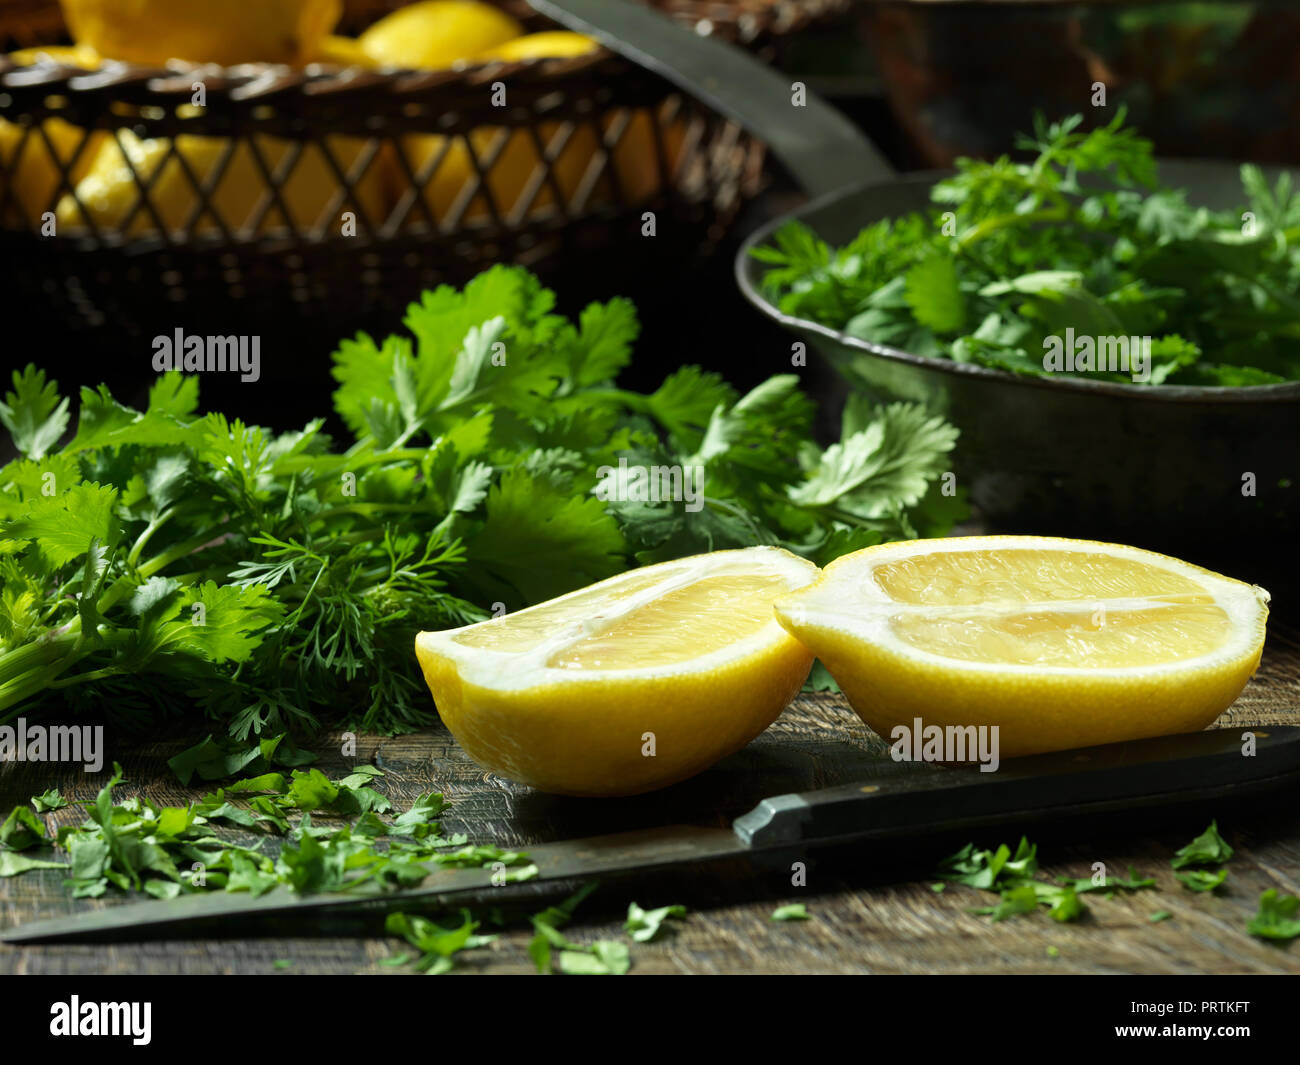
{"x":896,"y":800}
{"x":821,"y":148}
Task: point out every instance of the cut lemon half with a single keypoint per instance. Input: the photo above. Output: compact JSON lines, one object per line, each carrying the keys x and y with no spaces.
{"x":631,"y":684}
{"x":1058,"y":643}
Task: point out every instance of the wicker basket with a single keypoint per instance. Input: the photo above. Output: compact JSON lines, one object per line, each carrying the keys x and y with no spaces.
{"x":340,"y":191}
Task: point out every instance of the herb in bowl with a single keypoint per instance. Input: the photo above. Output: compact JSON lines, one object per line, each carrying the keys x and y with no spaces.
{"x":1015,"y":258}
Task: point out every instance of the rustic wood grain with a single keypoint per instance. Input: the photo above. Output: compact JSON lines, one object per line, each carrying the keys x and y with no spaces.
{"x":871,"y":911}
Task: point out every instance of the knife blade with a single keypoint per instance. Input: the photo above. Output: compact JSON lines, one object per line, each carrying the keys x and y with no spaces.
{"x":896,"y":799}
{"x":824,"y":151}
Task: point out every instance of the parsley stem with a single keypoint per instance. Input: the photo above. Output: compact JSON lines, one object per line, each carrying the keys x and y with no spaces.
{"x":992,"y":225}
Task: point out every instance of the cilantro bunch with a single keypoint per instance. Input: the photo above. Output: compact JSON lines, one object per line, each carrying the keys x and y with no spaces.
{"x":163,"y":558}
{"x":1081,"y":237}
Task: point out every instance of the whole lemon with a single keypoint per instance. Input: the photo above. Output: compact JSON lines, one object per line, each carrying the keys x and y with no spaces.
{"x":436,"y":33}
{"x":32,"y":171}
{"x":75,"y":55}
{"x":109,"y":193}
{"x":342,"y":52}
{"x":554,"y":44}
{"x":516,"y":172}
{"x":202,"y":31}
{"x":31,"y":165}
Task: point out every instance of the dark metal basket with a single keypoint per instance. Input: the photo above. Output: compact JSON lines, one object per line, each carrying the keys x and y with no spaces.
{"x":333,"y":192}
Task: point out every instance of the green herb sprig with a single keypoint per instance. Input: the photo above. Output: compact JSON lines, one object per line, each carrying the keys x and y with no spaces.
{"x":1082,"y":237}
{"x":161,"y":558}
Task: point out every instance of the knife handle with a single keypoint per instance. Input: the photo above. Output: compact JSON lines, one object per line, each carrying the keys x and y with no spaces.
{"x":903,"y":798}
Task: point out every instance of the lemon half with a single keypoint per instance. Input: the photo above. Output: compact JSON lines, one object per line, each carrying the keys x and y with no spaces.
{"x":1059,"y":643}
{"x":632,"y":684}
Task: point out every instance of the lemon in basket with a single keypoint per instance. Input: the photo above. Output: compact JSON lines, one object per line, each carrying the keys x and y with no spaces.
{"x":202,"y":31}
{"x":634,"y":683}
{"x":109,"y":192}
{"x":434,"y":34}
{"x":513,"y":162}
{"x":31,"y":165}
{"x":1058,"y":643}
{"x":342,"y":52}
{"x":75,"y":55}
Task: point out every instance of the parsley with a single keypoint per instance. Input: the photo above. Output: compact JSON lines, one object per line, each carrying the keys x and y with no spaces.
{"x":1202,"y":879}
{"x":21,"y":829}
{"x":437,"y":943}
{"x":1080,"y":236}
{"x":644,"y":925}
{"x":1209,"y":848}
{"x":1278,"y":916}
{"x":166,"y":851}
{"x":151,"y":558}
{"x":552,"y":951}
{"x":1013,"y":875}
{"x":50,"y":800}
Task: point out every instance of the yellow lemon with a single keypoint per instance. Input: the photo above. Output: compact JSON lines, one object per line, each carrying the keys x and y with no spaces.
{"x":109,"y":192}
{"x":32,"y":169}
{"x":202,"y":31}
{"x":1058,"y":643}
{"x":554,"y":44}
{"x":567,"y":695}
{"x":76,"y":55}
{"x":343,"y":52}
{"x":436,"y":33}
{"x":516,"y":173}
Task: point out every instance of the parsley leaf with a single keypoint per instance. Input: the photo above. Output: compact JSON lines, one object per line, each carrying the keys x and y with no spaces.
{"x":1209,"y":848}
{"x":1278,"y":916}
{"x":1011,"y":254}
{"x":644,"y":925}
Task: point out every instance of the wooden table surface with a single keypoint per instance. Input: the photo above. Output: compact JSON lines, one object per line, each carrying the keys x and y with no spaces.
{"x":872,"y":911}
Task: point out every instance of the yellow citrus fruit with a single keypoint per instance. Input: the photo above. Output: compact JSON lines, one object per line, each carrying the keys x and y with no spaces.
{"x":554,"y":44}
{"x":631,"y":684}
{"x":516,"y":171}
{"x":109,"y":192}
{"x":1059,"y":643}
{"x":202,"y":31}
{"x":32,"y":169}
{"x":76,"y":55}
{"x":343,"y":52}
{"x":436,"y":33}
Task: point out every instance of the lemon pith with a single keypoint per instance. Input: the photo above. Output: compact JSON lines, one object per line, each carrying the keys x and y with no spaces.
{"x":1059,"y":643}
{"x":683,"y":659}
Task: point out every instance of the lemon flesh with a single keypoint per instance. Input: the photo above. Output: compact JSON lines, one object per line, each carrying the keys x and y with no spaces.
{"x":632,"y":684}
{"x":1059,"y":643}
